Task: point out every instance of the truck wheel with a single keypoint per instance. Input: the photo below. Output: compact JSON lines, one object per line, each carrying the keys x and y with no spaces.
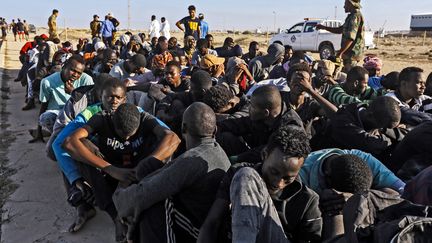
{"x":326,"y":51}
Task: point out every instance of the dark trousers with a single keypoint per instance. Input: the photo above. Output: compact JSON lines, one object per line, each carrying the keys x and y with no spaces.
{"x":162,"y":223}
{"x":108,"y":41}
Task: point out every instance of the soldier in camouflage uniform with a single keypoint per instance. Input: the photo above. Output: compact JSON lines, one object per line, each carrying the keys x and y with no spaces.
{"x":352,"y":44}
{"x":52,"y":25}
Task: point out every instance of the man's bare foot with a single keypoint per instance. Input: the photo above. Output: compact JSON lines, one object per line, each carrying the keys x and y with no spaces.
{"x":84,"y":213}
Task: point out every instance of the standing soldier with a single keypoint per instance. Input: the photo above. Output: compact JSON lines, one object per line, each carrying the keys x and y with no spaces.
{"x":95,"y":26}
{"x":352,"y":44}
{"x":52,"y":25}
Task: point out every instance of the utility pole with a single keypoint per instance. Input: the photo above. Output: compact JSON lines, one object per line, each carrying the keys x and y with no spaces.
{"x":129,"y":16}
{"x":335,"y":12}
{"x":274,"y":21}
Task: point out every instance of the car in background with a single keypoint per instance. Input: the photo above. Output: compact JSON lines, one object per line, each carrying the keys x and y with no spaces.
{"x":304,"y":36}
{"x":32,"y":28}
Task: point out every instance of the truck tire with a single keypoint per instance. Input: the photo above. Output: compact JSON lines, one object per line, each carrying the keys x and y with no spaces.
{"x":326,"y":51}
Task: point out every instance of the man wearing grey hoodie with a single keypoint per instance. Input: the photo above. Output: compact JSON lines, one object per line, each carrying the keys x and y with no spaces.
{"x":261,"y":66}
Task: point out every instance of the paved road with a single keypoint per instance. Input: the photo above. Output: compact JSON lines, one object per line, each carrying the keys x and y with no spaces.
{"x":37,"y":211}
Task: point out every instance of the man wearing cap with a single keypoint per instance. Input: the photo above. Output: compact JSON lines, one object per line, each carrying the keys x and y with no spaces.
{"x":52,"y":25}
{"x":213,"y":65}
{"x":204,"y":26}
{"x":95,"y":26}
{"x":353,"y":43}
{"x":106,"y":31}
{"x":192,"y":24}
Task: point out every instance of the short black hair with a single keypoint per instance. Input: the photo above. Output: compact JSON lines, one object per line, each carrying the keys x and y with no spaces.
{"x":112,"y":83}
{"x":297,"y":56}
{"x":288,"y":47}
{"x":76,"y":58}
{"x":291,"y":140}
{"x":173,"y":63}
{"x":200,"y":120}
{"x":253,"y":43}
{"x":299,"y":67}
{"x":269,"y":97}
{"x":191,"y":7}
{"x":55,"y":11}
{"x":153,"y":17}
{"x":162,"y":38}
{"x":163,"y":18}
{"x":391,"y":80}
{"x":356,"y":73}
{"x":202,"y":43}
{"x":350,"y":173}
{"x":278,"y":42}
{"x":208,"y":36}
{"x":386,"y":111}
{"x":218,"y":97}
{"x":201,"y":79}
{"x":228,"y":39}
{"x":405,"y":74}
{"x":126,"y":118}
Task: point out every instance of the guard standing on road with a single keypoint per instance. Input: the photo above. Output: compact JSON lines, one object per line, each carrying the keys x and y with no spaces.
{"x":353,"y":43}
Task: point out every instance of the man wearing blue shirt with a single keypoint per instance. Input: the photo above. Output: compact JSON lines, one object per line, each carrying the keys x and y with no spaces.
{"x":106,"y":31}
{"x":204,"y":26}
{"x":317,"y":174}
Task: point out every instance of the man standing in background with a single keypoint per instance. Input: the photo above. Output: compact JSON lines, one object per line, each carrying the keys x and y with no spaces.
{"x":204,"y":26}
{"x":191,"y":24}
{"x":154,"y":28}
{"x":95,"y":26}
{"x":165,"y":28}
{"x":52,"y":25}
{"x":353,"y":42}
{"x":106,"y":31}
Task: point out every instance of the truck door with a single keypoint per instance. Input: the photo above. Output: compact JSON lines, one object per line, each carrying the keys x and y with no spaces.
{"x":309,"y":36}
{"x":293,"y":36}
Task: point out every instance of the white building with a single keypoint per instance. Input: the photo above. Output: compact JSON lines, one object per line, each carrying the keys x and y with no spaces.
{"x":421,"y":22}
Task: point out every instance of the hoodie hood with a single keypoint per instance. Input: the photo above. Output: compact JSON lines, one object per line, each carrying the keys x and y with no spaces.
{"x":274,"y":52}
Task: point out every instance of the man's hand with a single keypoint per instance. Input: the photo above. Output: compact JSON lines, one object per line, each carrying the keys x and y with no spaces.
{"x":332,"y":202}
{"x":124,"y":176}
{"x":69,"y":87}
{"x":130,"y":82}
{"x":85,"y":188}
{"x":304,"y":83}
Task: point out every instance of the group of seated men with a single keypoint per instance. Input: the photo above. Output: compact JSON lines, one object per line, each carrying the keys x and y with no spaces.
{"x":200,"y":144}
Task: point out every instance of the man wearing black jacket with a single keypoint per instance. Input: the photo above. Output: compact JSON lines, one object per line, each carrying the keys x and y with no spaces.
{"x":269,"y":202}
{"x":243,"y":138}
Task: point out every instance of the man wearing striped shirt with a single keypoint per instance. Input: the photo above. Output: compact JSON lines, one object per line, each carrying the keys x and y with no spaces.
{"x":354,"y":90}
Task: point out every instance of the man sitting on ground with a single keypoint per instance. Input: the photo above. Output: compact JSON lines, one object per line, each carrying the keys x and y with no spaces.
{"x":354,"y":90}
{"x":56,"y":89}
{"x":225,"y":104}
{"x":125,"y":139}
{"x":269,"y":202}
{"x":243,"y":138}
{"x":173,"y":202}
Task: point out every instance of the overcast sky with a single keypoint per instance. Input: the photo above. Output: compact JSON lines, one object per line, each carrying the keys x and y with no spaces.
{"x":220,"y":14}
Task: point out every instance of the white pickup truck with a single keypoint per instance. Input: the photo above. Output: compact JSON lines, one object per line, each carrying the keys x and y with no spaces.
{"x":304,"y":37}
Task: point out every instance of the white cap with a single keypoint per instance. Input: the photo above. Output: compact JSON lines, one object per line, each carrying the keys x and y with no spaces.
{"x":99,"y":45}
